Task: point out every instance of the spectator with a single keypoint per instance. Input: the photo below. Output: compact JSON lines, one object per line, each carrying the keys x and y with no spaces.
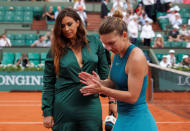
{"x":142,"y":19}
{"x":82,"y":15}
{"x":132,"y":28}
{"x":49,"y":14}
{"x":171,"y":58}
{"x":104,"y":9}
{"x":171,"y":16}
{"x":164,"y":62}
{"x":48,"y":37}
{"x":131,"y":14}
{"x":188,"y":45}
{"x":126,"y":17}
{"x":58,"y":10}
{"x":127,"y":5}
{"x":118,"y":5}
{"x":139,"y":9}
{"x":149,"y":7}
{"x":174,"y":34}
{"x":23,"y":61}
{"x":167,"y":4}
{"x":177,"y":21}
{"x":176,"y":8}
{"x":41,"y":42}
{"x":184,"y":34}
{"x":185,"y":62}
{"x":78,"y":5}
{"x":147,"y":33}
{"x":4,"y":41}
{"x":159,"y":41}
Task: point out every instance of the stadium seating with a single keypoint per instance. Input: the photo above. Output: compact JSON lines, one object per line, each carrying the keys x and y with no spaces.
{"x":18,"y":43}
{"x":54,"y":8}
{"x":89,"y":7}
{"x":17,"y":57}
{"x":167,"y":44}
{"x":176,"y":44}
{"x":18,"y":14}
{"x":21,"y":39}
{"x":34,"y":58}
{"x":159,"y":56}
{"x":8,"y":58}
{"x":179,"y":57}
{"x":13,"y":57}
{"x":43,"y":57}
{"x":37,"y":12}
{"x":19,"y":36}
{"x":183,"y":44}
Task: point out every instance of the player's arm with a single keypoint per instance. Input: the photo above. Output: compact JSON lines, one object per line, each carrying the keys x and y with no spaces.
{"x":136,"y":70}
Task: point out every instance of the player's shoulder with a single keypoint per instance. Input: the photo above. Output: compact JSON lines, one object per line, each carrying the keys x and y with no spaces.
{"x":137,"y":55}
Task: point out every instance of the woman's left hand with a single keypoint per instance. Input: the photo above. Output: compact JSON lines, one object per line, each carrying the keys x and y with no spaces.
{"x":95,"y":87}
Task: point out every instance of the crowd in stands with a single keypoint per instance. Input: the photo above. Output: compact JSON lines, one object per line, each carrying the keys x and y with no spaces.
{"x":170,"y":60}
{"x":173,"y":16}
{"x":79,"y":6}
{"x":139,"y":21}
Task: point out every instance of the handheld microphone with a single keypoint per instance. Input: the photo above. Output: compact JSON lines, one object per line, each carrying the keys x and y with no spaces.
{"x":109,"y":122}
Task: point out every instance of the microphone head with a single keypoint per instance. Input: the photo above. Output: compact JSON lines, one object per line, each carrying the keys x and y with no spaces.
{"x":109,"y":122}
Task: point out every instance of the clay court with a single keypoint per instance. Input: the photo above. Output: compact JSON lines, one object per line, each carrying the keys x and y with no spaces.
{"x":21,"y":111}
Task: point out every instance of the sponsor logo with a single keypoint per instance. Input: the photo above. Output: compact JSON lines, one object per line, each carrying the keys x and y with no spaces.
{"x":183,"y":80}
{"x":21,"y":80}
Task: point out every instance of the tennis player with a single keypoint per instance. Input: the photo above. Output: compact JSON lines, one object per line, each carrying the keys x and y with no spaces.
{"x":127,"y":82}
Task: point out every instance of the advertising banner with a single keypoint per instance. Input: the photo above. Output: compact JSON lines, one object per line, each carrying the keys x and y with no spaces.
{"x":21,"y":81}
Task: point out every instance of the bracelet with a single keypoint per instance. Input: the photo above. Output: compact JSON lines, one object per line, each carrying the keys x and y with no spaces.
{"x":111,"y":99}
{"x":112,"y":102}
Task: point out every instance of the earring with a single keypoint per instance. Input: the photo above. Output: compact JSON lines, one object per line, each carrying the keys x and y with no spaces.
{"x":124,"y":34}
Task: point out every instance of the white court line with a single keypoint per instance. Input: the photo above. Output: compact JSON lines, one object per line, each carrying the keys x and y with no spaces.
{"x":39,"y":123}
{"x":173,"y":122}
{"x":20,"y":104}
{"x":29,"y":104}
{"x":20,"y":123}
{"x":183,"y":105}
{"x":20,"y":101}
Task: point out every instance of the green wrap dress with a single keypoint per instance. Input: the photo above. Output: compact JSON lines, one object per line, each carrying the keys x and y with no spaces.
{"x":61,"y":97}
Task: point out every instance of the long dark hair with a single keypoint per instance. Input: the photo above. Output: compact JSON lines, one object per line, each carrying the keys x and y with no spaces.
{"x":60,"y":43}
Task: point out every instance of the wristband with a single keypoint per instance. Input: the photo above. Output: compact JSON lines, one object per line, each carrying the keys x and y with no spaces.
{"x":112,"y":102}
{"x":111,"y":99}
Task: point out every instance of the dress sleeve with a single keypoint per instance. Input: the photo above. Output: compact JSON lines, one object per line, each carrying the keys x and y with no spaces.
{"x":103,"y":67}
{"x":49,"y":80}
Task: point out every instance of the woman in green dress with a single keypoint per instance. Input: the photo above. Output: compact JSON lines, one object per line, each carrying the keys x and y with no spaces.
{"x":72,"y":51}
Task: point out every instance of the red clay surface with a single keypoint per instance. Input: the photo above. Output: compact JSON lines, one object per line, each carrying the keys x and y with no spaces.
{"x":21,"y":111}
{"x":176,"y":102}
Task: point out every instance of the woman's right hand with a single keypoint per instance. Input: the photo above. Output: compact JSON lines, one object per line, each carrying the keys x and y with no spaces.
{"x":87,"y":78}
{"x":48,"y":121}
